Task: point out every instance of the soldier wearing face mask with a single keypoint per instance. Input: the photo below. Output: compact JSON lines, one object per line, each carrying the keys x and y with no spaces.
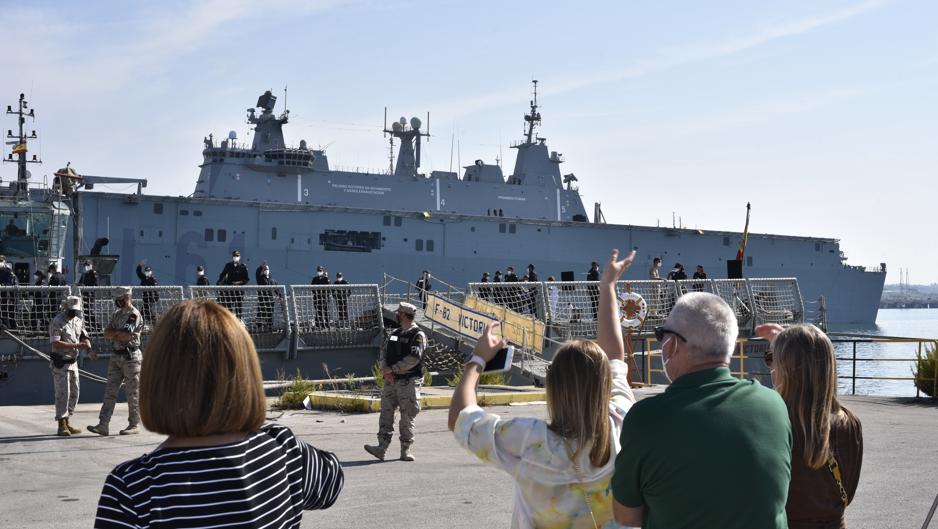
{"x":7,"y":298}
{"x":89,"y":278}
{"x":265,"y":297}
{"x":321,"y":297}
{"x":150,"y":297}
{"x":68,"y":337}
{"x":201,"y":280}
{"x":124,"y":366}
{"x":234,"y":273}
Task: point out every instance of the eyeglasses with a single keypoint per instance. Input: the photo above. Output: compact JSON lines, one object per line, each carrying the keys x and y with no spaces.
{"x":661,"y":331}
{"x":768,"y":358}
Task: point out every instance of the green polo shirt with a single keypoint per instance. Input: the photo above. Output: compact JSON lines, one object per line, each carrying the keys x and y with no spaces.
{"x":712,"y":451}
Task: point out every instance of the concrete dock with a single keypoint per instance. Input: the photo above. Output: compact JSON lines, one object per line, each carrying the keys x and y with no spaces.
{"x":53,"y":482}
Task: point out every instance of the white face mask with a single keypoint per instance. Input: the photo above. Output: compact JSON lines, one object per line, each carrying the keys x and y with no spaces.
{"x":3,"y":264}
{"x":320,"y":273}
{"x":266,"y":273}
{"x":200,"y":273}
{"x":148,"y":274}
{"x":87,"y":268}
{"x":235,"y":260}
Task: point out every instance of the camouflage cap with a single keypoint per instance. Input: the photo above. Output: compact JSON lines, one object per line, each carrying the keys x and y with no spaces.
{"x":120,"y":292}
{"x":71,"y":303}
{"x":407,"y":308}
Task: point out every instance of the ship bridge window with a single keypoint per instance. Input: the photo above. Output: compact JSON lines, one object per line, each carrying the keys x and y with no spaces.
{"x":501,"y":228}
{"x":197,"y":213}
{"x":419,"y":245}
{"x":817,"y":247}
{"x":184,"y":212}
{"x":726,"y":241}
{"x":429,"y":245}
{"x":209,"y":234}
{"x":748,"y":260}
{"x":222,"y":235}
{"x":273,"y":233}
{"x":387,"y":220}
{"x":158,"y":208}
{"x":512,"y":228}
{"x":397,"y":221}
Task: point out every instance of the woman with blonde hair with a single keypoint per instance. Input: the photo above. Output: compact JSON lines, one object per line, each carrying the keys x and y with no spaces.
{"x":827,"y":449}
{"x":562,"y":467}
{"x":220,"y":465}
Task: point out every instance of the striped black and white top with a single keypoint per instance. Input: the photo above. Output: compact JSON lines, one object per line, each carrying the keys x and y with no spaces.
{"x":264,"y":481}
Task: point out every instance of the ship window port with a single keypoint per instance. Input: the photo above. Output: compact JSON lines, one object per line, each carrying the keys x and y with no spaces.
{"x":158,"y":208}
{"x":420,"y":246}
{"x":748,"y":260}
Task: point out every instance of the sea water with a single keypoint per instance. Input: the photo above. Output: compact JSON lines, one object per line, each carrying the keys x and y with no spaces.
{"x":911,"y":323}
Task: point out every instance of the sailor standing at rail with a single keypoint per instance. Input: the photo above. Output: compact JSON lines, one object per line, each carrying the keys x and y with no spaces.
{"x":68,"y":337}
{"x":341,"y":300}
{"x":321,"y":297}
{"x":265,"y":296}
{"x":8,"y":298}
{"x":402,"y":367}
{"x":150,"y":297}
{"x":201,"y":280}
{"x":89,"y":278}
{"x":234,"y":273}
{"x":124,"y":366}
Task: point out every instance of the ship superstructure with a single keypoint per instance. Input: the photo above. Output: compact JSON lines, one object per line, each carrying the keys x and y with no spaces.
{"x":286,"y":206}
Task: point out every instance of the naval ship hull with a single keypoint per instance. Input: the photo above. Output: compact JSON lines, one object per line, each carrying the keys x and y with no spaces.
{"x":176,"y":234}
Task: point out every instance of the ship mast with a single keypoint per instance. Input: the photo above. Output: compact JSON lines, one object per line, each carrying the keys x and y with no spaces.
{"x":18,"y":142}
{"x":534,"y":118}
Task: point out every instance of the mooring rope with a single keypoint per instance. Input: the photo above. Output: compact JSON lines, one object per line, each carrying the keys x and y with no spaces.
{"x":87,"y":374}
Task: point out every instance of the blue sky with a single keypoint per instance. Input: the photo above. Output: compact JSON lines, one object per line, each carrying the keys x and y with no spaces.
{"x":821,"y":113}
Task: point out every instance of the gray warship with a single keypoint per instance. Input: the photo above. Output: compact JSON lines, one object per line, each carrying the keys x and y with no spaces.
{"x":285,"y":205}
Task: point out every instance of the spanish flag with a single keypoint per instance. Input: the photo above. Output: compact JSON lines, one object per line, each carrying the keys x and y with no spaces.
{"x":741,"y":252}
{"x":20,"y":148}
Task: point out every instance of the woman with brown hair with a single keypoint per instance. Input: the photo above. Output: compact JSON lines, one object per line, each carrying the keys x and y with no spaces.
{"x":562,"y":467}
{"x":220,"y":465}
{"x":827,"y":449}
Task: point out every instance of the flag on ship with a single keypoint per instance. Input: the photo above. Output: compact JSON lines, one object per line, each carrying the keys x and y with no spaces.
{"x":742,"y":243}
{"x":19,"y":148}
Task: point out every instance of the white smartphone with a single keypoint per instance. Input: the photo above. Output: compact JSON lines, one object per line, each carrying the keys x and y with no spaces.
{"x":502,"y":360}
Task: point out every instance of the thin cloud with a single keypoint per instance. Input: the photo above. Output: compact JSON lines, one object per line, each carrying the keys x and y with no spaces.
{"x":664,"y":59}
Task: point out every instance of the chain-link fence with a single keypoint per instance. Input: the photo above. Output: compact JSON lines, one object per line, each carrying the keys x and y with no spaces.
{"x":336,"y":316}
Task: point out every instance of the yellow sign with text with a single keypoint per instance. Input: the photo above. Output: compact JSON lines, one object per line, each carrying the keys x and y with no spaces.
{"x":520,"y":330}
{"x":456,"y":317}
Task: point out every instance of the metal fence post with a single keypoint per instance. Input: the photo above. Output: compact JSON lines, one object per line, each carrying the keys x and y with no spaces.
{"x":853,"y":376}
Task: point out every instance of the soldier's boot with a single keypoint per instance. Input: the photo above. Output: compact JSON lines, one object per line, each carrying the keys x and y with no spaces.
{"x":63,"y":429}
{"x":406,"y":455}
{"x":71,"y":429}
{"x":130,"y":430}
{"x":377,"y":450}
{"x":100,"y":429}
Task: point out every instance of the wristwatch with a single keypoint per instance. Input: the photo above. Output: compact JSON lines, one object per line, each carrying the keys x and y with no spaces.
{"x":478,"y":360}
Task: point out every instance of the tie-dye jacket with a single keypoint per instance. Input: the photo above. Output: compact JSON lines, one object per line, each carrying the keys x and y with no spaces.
{"x":548,"y":492}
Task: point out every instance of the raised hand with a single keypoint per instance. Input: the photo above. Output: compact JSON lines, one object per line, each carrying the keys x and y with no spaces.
{"x":490,"y":342}
{"x":769,"y":331}
{"x":614,"y":268}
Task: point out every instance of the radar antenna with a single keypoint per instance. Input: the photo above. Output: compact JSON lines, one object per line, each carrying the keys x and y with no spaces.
{"x":534,"y":118}
{"x":19,"y":143}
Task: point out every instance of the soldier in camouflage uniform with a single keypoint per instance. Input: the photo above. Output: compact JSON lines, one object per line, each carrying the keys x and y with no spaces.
{"x":124,"y":367}
{"x":68,"y":337}
{"x":402,"y":365}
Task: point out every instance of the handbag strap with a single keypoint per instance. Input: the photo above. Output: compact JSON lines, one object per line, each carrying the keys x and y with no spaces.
{"x":835,"y":471}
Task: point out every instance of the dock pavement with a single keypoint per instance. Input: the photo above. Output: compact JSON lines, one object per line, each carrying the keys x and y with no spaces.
{"x":52,"y":482}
